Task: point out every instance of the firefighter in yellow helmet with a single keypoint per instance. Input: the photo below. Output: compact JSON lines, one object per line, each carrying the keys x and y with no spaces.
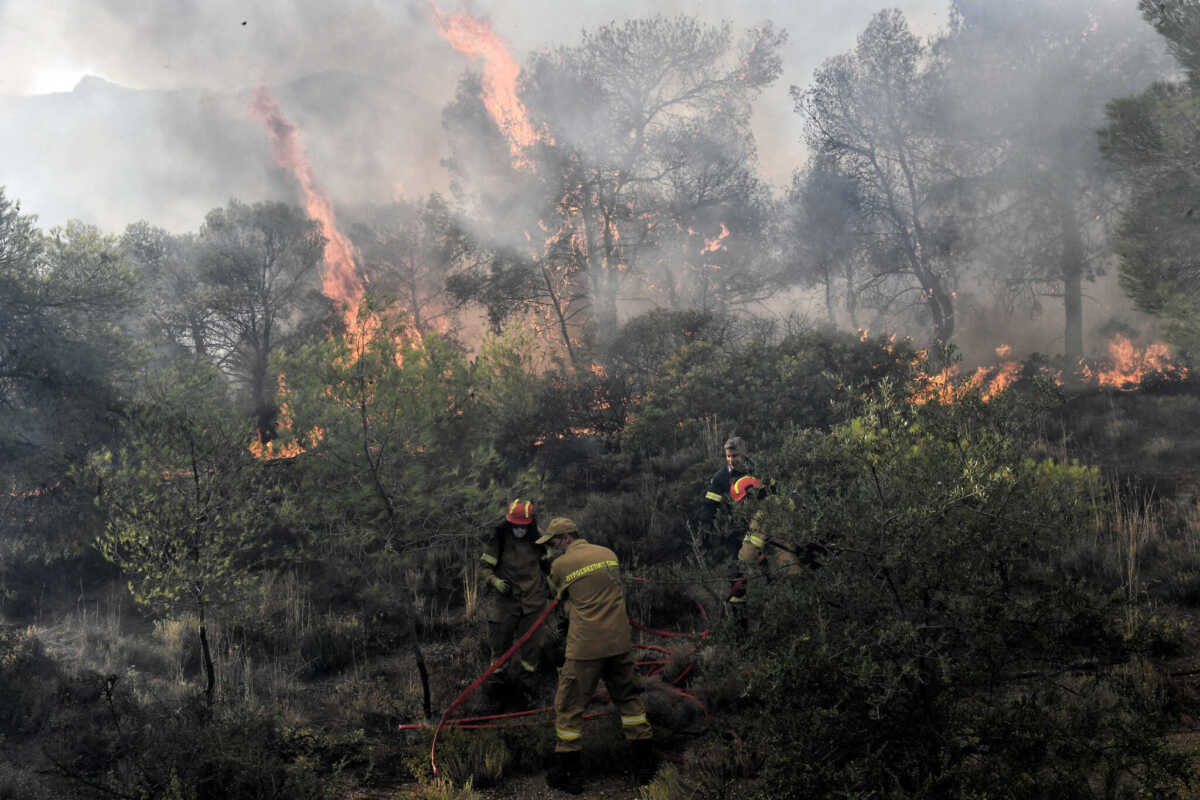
{"x":513,"y":567}
{"x":759,"y":555}
{"x":587,"y":580}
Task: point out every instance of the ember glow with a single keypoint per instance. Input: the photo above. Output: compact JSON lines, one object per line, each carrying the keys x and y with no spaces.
{"x":475,"y":37}
{"x":340,"y":281}
{"x":1130,"y":365}
{"x":713,"y":245}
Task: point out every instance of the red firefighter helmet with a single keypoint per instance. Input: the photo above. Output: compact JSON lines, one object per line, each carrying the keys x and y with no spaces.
{"x":742,"y":486}
{"x":520,"y":512}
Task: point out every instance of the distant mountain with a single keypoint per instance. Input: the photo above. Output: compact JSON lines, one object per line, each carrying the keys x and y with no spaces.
{"x":111,"y":155}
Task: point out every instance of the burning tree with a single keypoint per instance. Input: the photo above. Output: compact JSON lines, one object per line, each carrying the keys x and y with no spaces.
{"x":629,"y":189}
{"x":260,"y":265}
{"x":406,"y":250}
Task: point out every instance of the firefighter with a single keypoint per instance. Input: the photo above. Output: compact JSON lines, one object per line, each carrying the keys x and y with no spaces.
{"x":513,"y":573}
{"x":586,"y":578}
{"x":759,"y":555}
{"x":737,"y":464}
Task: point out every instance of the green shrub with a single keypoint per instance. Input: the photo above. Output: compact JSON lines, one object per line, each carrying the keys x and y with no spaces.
{"x":935,"y":650}
{"x":29,"y":682}
{"x":331,"y":644}
{"x":186,"y":751}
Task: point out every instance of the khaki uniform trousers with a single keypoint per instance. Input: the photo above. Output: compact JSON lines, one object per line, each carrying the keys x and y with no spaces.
{"x":577,"y":682}
{"x":507,"y":630}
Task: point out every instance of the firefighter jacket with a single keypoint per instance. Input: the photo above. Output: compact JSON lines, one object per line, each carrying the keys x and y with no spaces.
{"x":587,"y":579}
{"x":521,"y":563}
{"x":759,"y":553}
{"x":718,"y":490}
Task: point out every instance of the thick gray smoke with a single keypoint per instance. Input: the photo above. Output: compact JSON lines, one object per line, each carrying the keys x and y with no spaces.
{"x":178,"y":142}
{"x":161,"y":131}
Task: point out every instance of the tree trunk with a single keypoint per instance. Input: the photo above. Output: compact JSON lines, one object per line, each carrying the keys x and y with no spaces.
{"x":830,"y":297}
{"x":424,"y":673}
{"x":1072,"y":268}
{"x":209,"y":672}
{"x":941,"y":305}
{"x":264,"y":406}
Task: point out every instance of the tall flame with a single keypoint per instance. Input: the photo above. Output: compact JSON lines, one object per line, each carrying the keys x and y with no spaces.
{"x":340,"y":281}
{"x":475,"y":37}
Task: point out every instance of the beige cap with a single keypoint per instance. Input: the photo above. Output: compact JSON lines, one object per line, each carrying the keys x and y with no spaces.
{"x":557,"y":526}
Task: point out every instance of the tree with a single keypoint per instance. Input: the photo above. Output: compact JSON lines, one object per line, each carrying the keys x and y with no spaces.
{"x":1150,"y":141}
{"x":260,"y":265}
{"x":661,"y":153}
{"x":188,"y":508}
{"x":64,"y":363}
{"x":823,"y":207}
{"x":1026,"y":86}
{"x":407,"y":251}
{"x":177,"y":308}
{"x":870,"y":117}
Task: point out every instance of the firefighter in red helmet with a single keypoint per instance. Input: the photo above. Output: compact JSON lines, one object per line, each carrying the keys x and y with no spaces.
{"x":513,"y":568}
{"x":759,"y":555}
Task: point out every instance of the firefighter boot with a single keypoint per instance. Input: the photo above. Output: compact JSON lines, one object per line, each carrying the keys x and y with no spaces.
{"x":645,"y":761}
{"x":565,"y":773}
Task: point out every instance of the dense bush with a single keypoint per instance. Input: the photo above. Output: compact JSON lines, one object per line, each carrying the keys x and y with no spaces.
{"x":29,"y":683}
{"x":127,"y":749}
{"x":760,"y":388}
{"x":940,"y":650}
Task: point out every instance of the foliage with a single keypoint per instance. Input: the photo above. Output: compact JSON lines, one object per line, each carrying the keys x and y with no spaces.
{"x":28,"y":683}
{"x":397,"y":423}
{"x":187,"y":505}
{"x":1149,"y":142}
{"x":940,"y":649}
{"x":758,"y":389}
{"x":181,"y":753}
{"x":64,"y":365}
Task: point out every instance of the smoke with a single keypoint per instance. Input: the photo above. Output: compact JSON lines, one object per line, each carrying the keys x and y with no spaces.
{"x":221,"y":49}
{"x":165,"y":135}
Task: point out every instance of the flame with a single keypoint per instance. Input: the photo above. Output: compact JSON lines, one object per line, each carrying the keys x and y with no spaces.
{"x":474,"y":37}
{"x":13,"y":492}
{"x":713,"y":245}
{"x":947,"y":387}
{"x":1130,"y":365}
{"x":286,"y":445}
{"x":340,"y":281}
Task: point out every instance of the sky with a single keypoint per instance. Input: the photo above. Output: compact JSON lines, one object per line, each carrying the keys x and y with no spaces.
{"x":226,"y":45}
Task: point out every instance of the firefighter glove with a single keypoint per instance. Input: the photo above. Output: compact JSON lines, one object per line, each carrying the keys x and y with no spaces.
{"x":499,"y":584}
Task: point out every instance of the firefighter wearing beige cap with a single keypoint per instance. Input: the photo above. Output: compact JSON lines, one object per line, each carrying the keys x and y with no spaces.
{"x":586,"y":578}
